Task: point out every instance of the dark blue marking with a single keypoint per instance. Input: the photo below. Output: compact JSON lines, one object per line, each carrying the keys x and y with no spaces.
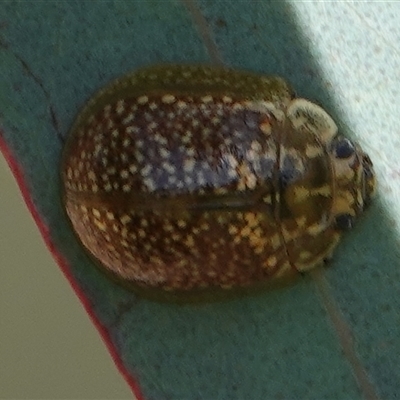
{"x":288,"y":172}
{"x":343,"y":147}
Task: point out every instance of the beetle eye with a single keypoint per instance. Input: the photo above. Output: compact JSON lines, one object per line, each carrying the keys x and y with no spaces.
{"x":344,"y":222}
{"x":343,"y":147}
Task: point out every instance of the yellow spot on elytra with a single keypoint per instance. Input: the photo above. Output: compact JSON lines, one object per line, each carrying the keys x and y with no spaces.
{"x":189,"y":241}
{"x":142,"y":99}
{"x":283,"y":270}
{"x":176,"y":237}
{"x":251,"y":219}
{"x":271,"y":261}
{"x":96,"y":212}
{"x":125,"y":219}
{"x":246,"y":231}
{"x":205,"y":227}
{"x":168,"y":99}
{"x":206,"y":99}
{"x":142,"y":233}
{"x":232,"y":229}
{"x":181,"y":104}
{"x":259,"y":249}
{"x":181,"y":223}
{"x":237,"y":239}
{"x":168,"y":228}
{"x":100,"y":225}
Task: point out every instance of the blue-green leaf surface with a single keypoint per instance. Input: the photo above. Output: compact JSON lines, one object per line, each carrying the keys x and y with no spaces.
{"x":333,"y":336}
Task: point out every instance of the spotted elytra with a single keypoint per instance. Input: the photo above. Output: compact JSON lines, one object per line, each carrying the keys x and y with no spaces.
{"x":193,"y":179}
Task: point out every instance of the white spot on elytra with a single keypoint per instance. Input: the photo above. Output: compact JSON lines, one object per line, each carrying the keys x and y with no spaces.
{"x":120,"y":106}
{"x":188,"y":164}
{"x":128,"y":119}
{"x":168,"y":167}
{"x":149,"y":183}
{"x":153,"y":125}
{"x":132,"y":129}
{"x":181,"y":104}
{"x":168,"y":99}
{"x":124,"y":174}
{"x":164,"y":153}
{"x":146,"y":170}
{"x":110,"y":124}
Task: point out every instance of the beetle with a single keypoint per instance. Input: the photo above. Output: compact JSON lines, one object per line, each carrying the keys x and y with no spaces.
{"x":189,"y":179}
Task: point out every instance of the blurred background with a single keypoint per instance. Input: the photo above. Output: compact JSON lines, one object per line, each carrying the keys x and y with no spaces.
{"x":34,"y":336}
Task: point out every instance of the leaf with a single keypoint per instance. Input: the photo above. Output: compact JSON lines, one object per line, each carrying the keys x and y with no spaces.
{"x":318,"y":339}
